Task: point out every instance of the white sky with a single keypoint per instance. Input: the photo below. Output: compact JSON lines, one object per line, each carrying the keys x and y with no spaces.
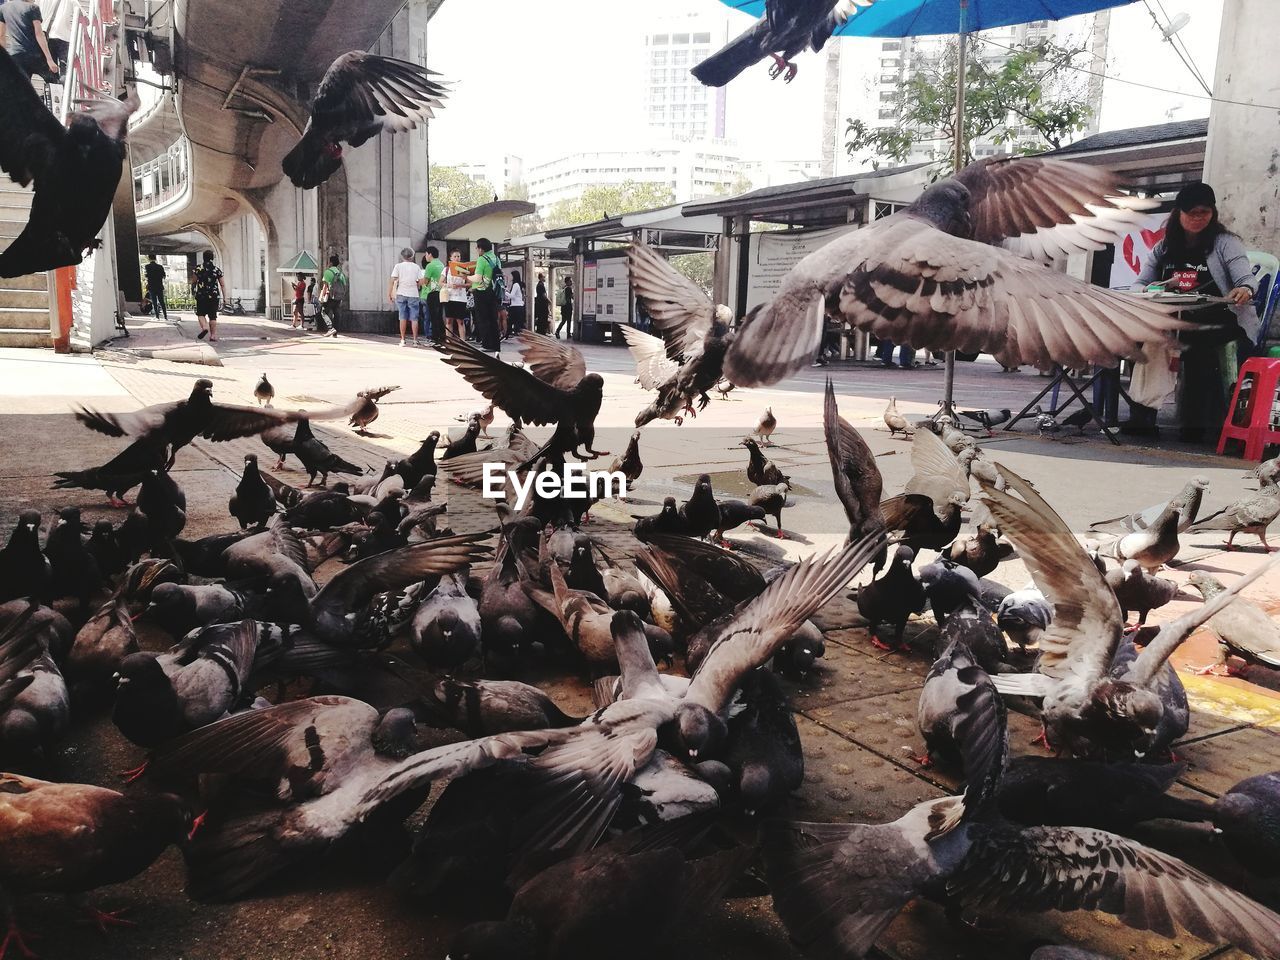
{"x":554,"y":76}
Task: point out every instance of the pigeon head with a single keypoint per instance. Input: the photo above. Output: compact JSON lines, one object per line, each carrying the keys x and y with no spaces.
{"x":669,"y":505}
{"x":170,"y":606}
{"x":251,"y":458}
{"x":592,"y":383}
{"x":494,"y":940}
{"x":700,"y":731}
{"x":202,"y":388}
{"x":1236,"y":809}
{"x":904,"y":556}
{"x":1207,"y":585}
{"x":946,"y":206}
{"x":20,"y":733}
{"x":506,"y":635}
{"x":102,"y":530}
{"x":1122,"y":717}
{"x":396,"y":735}
{"x":661,"y":646}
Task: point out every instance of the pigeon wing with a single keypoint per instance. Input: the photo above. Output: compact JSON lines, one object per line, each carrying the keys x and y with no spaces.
{"x":32,"y":134}
{"x":853,"y":468}
{"x":552,"y":361}
{"x":361,"y":91}
{"x":680,"y":311}
{"x":653,"y":367}
{"x":516,"y":391}
{"x":938,"y":474}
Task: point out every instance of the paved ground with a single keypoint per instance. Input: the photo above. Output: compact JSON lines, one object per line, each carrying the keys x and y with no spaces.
{"x":856,"y":712}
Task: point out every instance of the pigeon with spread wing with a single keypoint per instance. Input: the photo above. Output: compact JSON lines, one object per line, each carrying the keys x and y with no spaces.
{"x":928,"y":512}
{"x":75,"y":170}
{"x":360,"y":96}
{"x":932,"y":276}
{"x":695,"y":335}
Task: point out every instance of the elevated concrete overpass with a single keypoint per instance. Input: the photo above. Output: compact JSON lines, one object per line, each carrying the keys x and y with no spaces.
{"x":206,"y":154}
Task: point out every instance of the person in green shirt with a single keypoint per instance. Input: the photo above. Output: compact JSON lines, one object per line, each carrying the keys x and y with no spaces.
{"x":429,"y":289}
{"x":486,"y":315}
{"x":333,"y":291}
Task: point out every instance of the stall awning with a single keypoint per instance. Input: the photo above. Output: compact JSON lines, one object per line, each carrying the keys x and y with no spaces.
{"x":302,"y":263}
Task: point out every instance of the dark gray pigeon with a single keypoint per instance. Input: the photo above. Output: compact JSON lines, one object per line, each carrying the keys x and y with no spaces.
{"x":24,"y":569}
{"x":763,"y":752}
{"x":1187,"y":503}
{"x":930,"y":276}
{"x":253,"y":503}
{"x":960,"y":714}
{"x":892,"y":599}
{"x":973,"y":625}
{"x":1252,"y":513}
{"x":445,"y":630}
{"x":947,"y":587}
{"x":853,"y":468}
{"x":1249,"y":817}
{"x":1135,"y":589}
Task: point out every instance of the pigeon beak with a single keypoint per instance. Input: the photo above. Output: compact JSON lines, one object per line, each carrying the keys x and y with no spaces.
{"x":693,"y":753}
{"x":1139,"y":754}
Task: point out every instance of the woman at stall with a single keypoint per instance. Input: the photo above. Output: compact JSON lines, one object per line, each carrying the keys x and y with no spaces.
{"x":1200,"y":255}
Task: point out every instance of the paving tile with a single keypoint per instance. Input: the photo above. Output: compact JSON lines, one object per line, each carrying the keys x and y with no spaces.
{"x":842,"y":675}
{"x":1215,"y":764}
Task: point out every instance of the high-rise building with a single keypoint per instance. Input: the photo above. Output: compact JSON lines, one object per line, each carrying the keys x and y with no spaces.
{"x":502,"y":173}
{"x":675,"y":101}
{"x":901,"y":60}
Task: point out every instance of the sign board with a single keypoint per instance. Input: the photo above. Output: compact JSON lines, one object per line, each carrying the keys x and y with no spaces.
{"x":1133,"y":248}
{"x":773,"y":253}
{"x":611,"y":291}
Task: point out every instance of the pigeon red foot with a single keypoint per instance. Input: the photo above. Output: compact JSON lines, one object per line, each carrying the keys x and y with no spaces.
{"x":16,"y":937}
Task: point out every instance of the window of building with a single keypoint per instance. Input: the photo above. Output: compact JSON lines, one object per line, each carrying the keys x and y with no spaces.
{"x":891,"y":45}
{"x":679,"y":39}
{"x":890,"y":114}
{"x":888,"y":62}
{"x":888,"y":78}
{"x":679,"y":57}
{"x":702,"y":38}
{"x":660,"y":39}
{"x":888,"y":95}
{"x":658,"y":58}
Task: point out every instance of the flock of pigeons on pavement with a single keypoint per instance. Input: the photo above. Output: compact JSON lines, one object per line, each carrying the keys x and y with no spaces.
{"x":306,"y":650}
{"x":281,"y":679}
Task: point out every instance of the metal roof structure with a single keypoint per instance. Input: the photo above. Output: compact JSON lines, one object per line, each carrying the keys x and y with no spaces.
{"x":1157,"y":158}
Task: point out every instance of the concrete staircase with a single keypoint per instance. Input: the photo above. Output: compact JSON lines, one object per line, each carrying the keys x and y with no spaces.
{"x":24,"y":301}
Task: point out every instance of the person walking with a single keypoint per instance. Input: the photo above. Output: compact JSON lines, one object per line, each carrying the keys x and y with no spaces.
{"x":455,"y":307}
{"x":22,"y":35}
{"x":210,"y":289}
{"x":333,"y":293}
{"x":299,"y":299}
{"x":515,"y":303}
{"x":1200,"y":255}
{"x":564,"y":300}
{"x":432,"y":274}
{"x":541,"y":307}
{"x":154,"y":274}
{"x":484,"y":287}
{"x":402,"y":293}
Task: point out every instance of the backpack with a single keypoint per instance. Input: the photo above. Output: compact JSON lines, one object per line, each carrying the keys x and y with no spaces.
{"x":499,"y":281}
{"x":337,"y":286}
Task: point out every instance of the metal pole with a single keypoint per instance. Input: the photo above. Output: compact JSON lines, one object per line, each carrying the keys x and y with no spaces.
{"x":962,"y":55}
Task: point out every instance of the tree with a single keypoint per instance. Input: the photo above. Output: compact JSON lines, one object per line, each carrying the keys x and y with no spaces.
{"x":741,"y":184}
{"x":698,"y":267}
{"x":1025,"y":100}
{"x":452,"y":191}
{"x":608,"y":200}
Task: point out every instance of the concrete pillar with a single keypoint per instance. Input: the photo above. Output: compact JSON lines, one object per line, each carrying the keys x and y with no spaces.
{"x":1242,"y":158}
{"x":126,"y":236}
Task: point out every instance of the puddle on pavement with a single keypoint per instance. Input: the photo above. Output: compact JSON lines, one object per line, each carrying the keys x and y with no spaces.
{"x":734,"y":483}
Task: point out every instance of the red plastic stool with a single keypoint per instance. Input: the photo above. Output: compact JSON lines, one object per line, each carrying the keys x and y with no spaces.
{"x":1249,"y":418}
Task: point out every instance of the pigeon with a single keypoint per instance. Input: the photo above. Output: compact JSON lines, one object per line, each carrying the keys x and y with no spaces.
{"x":1187,"y":503}
{"x":837,"y":887}
{"x":326,"y":509}
{"x":564,"y":910}
{"x":465,"y":445}
{"x":928,"y":275}
{"x":481,"y":708}
{"x":734,"y":513}
{"x":960,"y":714}
{"x":766,"y":425}
{"x":194,"y":683}
{"x":1268,"y":471}
{"x":445,"y":630}
{"x":973,"y":623}
{"x":73,"y":572}
{"x":317,"y":458}
{"x":929,"y":511}
{"x":787,"y":28}
{"x":895,"y":421}
{"x":988,"y":418}
{"x":76,"y":837}
{"x":763,"y":751}
{"x":163,"y":504}
{"x":253,"y":503}
{"x":360,"y":96}
{"x":180,"y":422}
{"x":581,"y":574}
{"x":695,"y":335}
{"x":893,"y":598}
{"x":771,"y":498}
{"x":1080,"y":419}
{"x":1153,"y":547}
{"x":1135,"y":589}
{"x":24,"y":569}
{"x":978,"y":467}
{"x":121,"y":473}
{"x":666,"y":520}
{"x":760,"y":469}
{"x":75,"y":169}
{"x":629,"y":464}
{"x":957,"y":440}
{"x":484,"y":416}
{"x":106,"y":549}
{"x":532,"y":400}
{"x":1099,"y":696}
{"x":699,"y":515}
{"x":981,"y":552}
{"x":34,"y":720}
{"x":1024,"y":615}
{"x":948,"y":587}
{"x":105,"y":640}
{"x":363,"y":410}
{"x":1246,"y":815}
{"x":855,"y":473}
{"x":1243,"y":628}
{"x":1250,"y":514}
{"x":264,"y":392}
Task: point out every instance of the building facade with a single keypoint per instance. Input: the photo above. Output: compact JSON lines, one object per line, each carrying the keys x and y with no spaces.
{"x":675,"y":102}
{"x":504,"y":174}
{"x":689,"y":169}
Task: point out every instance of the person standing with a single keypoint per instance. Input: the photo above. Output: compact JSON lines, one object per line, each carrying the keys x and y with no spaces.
{"x":210,"y":289}
{"x":1200,"y":255}
{"x":333,"y":293}
{"x":455,"y":307}
{"x":432,"y":274}
{"x":22,"y":33}
{"x":299,"y":299}
{"x":485,"y":289}
{"x":564,"y":300}
{"x":541,"y":307}
{"x":154,"y":274}
{"x":515,"y":303}
{"x":402,"y":293}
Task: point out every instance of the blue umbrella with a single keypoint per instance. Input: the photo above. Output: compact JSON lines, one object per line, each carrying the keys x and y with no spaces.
{"x":919,"y":18}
